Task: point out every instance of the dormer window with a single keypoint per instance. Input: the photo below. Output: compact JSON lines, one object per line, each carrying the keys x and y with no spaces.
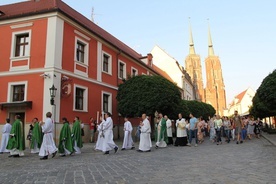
{"x":2,"y":13}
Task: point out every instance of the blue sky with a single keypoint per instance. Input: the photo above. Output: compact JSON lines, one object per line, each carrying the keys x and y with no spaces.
{"x":243,"y":32}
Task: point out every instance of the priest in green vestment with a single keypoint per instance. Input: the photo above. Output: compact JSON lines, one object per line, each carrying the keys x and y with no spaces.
{"x":36,"y":139}
{"x":16,"y":143}
{"x":65,"y":146}
{"x":161,"y":137}
{"x":76,"y":135}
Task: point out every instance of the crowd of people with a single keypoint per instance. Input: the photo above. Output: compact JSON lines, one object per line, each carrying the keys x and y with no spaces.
{"x":41,"y":141}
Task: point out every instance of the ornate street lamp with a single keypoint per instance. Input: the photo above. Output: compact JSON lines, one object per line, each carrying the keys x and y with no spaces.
{"x":53,"y":91}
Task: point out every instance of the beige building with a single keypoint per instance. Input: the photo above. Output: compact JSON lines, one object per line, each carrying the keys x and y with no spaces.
{"x":241,"y":102}
{"x":175,"y":71}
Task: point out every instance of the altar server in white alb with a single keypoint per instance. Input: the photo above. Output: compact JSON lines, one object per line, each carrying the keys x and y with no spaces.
{"x":105,"y":141}
{"x":128,"y":142}
{"x":145,"y":140}
{"x":48,"y":145}
{"x":5,"y":136}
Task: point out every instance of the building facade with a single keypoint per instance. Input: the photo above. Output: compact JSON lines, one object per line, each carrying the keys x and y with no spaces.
{"x":175,"y":71}
{"x":241,"y":103}
{"x":48,"y":43}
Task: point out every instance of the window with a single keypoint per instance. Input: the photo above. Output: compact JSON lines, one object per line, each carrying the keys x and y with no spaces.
{"x":134,"y":71}
{"x":80,"y":52}
{"x":122,"y":70}
{"x":18,"y":93}
{"x":105,"y":63}
{"x":79,"y":99}
{"x":22,"y":46}
{"x":107,"y":102}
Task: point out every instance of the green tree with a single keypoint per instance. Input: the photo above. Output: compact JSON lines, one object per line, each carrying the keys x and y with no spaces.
{"x":267,"y":91}
{"x":146,"y":94}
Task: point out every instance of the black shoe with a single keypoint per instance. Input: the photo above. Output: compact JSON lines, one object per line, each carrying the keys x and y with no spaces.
{"x":139,"y":150}
{"x":123,"y":149}
{"x":16,"y":156}
{"x":156,"y":147}
{"x":72,"y":153}
{"x":148,"y":151}
{"x":106,"y":153}
{"x":241,"y":142}
{"x":1,"y":152}
{"x":116,"y":149}
{"x":237,"y":142}
{"x":132,"y":147}
{"x":44,"y":158}
{"x":54,"y":154}
{"x":62,"y":155}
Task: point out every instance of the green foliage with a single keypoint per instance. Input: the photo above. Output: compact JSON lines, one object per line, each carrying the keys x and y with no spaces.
{"x":267,"y":91}
{"x":264,"y":101}
{"x":201,"y":109}
{"x":146,"y":94}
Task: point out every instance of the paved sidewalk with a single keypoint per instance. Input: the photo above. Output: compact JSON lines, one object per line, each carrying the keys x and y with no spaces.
{"x":252,"y":162}
{"x":269,"y":137}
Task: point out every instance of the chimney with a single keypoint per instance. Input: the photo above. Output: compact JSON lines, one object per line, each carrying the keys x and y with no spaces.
{"x":149,"y":57}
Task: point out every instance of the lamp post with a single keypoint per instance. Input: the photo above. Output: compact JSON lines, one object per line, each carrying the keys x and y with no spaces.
{"x":53,"y":91}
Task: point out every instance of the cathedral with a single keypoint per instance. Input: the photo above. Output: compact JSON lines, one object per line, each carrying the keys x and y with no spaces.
{"x":214,"y":91}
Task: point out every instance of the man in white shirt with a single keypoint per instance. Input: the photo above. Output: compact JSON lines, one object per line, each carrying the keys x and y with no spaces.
{"x":169,"y":130}
{"x":128,"y":142}
{"x":48,"y":145}
{"x":145,"y":140}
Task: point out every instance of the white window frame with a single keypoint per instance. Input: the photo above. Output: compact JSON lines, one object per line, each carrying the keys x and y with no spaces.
{"x":132,"y":68}
{"x":86,"y":51}
{"x":14,"y":58}
{"x":13,"y":45}
{"x":109,"y":63}
{"x":109,"y":101}
{"x":85,"y":98}
{"x":124,"y":72}
{"x":10,"y":89}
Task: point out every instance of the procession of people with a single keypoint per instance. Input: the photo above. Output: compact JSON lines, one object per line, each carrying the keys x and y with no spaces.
{"x":41,"y":134}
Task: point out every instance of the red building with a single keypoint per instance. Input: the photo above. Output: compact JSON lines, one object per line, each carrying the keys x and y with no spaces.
{"x":45,"y":43}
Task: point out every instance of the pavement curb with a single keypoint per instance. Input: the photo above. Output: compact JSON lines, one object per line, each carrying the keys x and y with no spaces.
{"x":272,"y":142}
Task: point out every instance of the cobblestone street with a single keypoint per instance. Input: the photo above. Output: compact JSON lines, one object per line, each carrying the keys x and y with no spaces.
{"x":250,"y":162}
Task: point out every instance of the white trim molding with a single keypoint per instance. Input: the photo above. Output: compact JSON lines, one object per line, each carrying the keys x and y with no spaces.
{"x":82,"y":35}
{"x":10,"y":89}
{"x":134,"y":69}
{"x":22,"y":25}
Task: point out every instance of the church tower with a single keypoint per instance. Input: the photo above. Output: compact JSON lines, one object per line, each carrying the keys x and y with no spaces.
{"x":215,"y":89}
{"x":193,"y":68}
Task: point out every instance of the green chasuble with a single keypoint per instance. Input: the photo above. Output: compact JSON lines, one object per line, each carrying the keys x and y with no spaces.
{"x":17,"y":141}
{"x":65,"y":136}
{"x":76,"y":131}
{"x":36,"y":136}
{"x":163,"y":131}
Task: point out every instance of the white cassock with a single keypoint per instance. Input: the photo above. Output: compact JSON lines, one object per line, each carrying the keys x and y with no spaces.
{"x":128,"y":142}
{"x":145,"y":141}
{"x":181,"y":129}
{"x":48,"y":145}
{"x":105,"y":138}
{"x":5,"y":137}
{"x":169,"y":128}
